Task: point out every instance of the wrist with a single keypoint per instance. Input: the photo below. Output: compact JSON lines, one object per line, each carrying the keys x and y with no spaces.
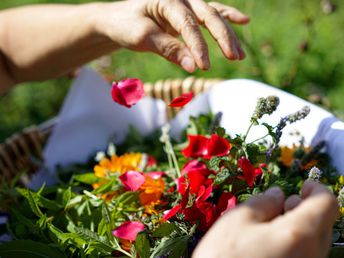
{"x":96,"y":14}
{"x":99,"y":16}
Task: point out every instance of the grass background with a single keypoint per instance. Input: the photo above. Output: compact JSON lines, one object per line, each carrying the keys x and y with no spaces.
{"x":295,"y":45}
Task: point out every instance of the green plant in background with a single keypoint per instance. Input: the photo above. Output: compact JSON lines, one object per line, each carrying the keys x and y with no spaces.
{"x":293,"y":45}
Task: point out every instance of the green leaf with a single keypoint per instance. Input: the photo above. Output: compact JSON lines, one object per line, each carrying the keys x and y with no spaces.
{"x":36,"y":200}
{"x":270,"y":130}
{"x":164,"y":230}
{"x":76,"y":200}
{"x":29,"y":249}
{"x":173,"y":247}
{"x":221,"y":131}
{"x":142,"y":245}
{"x":108,"y":186}
{"x":67,"y":195}
{"x":88,"y":178}
{"x":222,"y":176}
{"x":33,"y":202}
{"x":244,"y":197}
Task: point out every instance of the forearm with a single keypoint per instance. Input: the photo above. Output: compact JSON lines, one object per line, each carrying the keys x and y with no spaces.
{"x":45,"y":41}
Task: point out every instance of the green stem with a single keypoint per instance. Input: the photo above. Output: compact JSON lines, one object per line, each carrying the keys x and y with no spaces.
{"x":248,"y":130}
{"x":174,"y":159}
{"x":261,"y":138}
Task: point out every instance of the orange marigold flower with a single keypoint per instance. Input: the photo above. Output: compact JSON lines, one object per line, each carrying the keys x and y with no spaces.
{"x":287,"y":155}
{"x":150,"y":208}
{"x":151,"y":190}
{"x":118,"y":164}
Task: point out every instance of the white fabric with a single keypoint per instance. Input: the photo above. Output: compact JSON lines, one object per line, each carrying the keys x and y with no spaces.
{"x":89,"y":118}
{"x":87,"y":121}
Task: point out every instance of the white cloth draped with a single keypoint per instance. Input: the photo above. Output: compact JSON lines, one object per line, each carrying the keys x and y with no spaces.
{"x":89,"y":118}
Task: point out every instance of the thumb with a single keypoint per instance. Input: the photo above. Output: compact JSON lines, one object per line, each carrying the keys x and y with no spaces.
{"x":265,"y":207}
{"x":171,"y":49}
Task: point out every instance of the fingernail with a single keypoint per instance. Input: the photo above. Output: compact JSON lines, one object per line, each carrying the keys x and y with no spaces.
{"x":242,"y":53}
{"x":188,"y":64}
{"x":275,"y":192}
{"x":206,"y":62}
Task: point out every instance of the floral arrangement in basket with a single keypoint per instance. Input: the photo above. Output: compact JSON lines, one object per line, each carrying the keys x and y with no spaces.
{"x":154,"y":197}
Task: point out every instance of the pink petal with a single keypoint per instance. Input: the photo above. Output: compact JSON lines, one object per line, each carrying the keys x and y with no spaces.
{"x":128,"y":230}
{"x":155,"y":174}
{"x":127,"y":92}
{"x":182,"y":100}
{"x":132,"y":180}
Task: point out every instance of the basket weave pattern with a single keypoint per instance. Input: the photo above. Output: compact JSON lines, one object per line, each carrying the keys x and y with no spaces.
{"x":22,"y":152}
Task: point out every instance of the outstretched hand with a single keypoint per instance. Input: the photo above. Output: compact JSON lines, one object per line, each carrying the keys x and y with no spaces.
{"x":68,"y":36}
{"x":154,"y":25}
{"x":270,"y":226}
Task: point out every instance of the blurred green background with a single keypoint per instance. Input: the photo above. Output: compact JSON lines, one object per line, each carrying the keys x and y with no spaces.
{"x":295,"y":45}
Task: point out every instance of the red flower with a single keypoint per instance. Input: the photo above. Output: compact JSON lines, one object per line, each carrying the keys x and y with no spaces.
{"x":182,"y":100}
{"x":227,"y":201}
{"x":197,"y":146}
{"x":127,"y":92}
{"x":132,"y":180}
{"x":217,"y":146}
{"x":128,"y":230}
{"x":259,"y":171}
{"x":248,"y":170}
{"x":195,"y":165}
{"x":202,"y":147}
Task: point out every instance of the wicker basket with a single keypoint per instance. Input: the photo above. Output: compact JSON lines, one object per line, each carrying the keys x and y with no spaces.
{"x":22,"y":152}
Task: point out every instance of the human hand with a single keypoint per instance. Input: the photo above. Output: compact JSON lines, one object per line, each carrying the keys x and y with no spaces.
{"x":154,"y":25}
{"x":259,"y":229}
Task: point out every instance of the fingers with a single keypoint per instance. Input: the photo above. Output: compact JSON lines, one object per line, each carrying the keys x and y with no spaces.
{"x":291,"y":202}
{"x":265,"y":207}
{"x":172,"y":49}
{"x":230,"y":13}
{"x":219,"y":29}
{"x":318,"y":210}
{"x":184,"y":21}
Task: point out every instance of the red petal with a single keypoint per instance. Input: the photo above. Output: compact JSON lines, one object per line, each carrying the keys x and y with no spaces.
{"x":195,"y":165}
{"x":182,"y":185}
{"x":132,"y":180}
{"x":196,"y":180}
{"x":209,"y":215}
{"x":218,"y":146}
{"x":172,"y":212}
{"x":151,"y":161}
{"x":227,"y":201}
{"x":128,"y":230}
{"x":204,"y":193}
{"x":259,"y":171}
{"x":197,"y":146}
{"x":248,"y":170}
{"x":182,"y":100}
{"x":127,"y":92}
